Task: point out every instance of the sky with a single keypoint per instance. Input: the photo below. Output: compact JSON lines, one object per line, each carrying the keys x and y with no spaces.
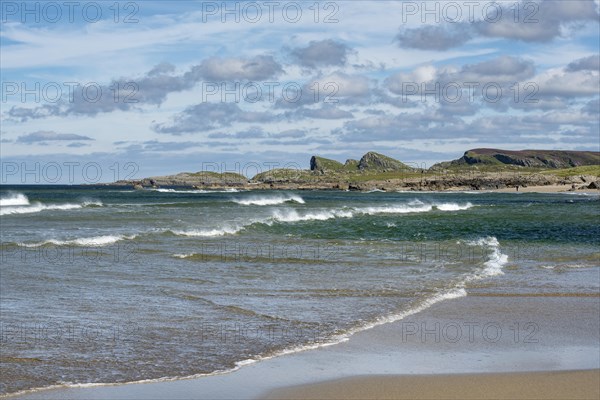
{"x":96,"y":91}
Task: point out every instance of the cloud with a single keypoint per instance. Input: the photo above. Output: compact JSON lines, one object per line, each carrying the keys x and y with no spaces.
{"x":324,"y":112}
{"x":592,"y":107}
{"x":122,"y":94}
{"x":422,"y":74}
{"x":434,"y":37}
{"x":257,"y":132}
{"x":208,"y":116}
{"x":336,"y":88}
{"x":47,"y":136}
{"x":125,"y":94}
{"x":78,"y":144}
{"x":591,"y":63}
{"x":158,"y":146}
{"x":322,"y":53}
{"x":453,"y":85}
{"x":253,"y":132}
{"x":162,"y":69}
{"x":276,"y":142}
{"x":291,"y":133}
{"x":501,"y":69}
{"x":402,"y":126}
{"x":432,"y":124}
{"x":564,"y":83}
{"x":258,"y":68}
{"x":537,"y":21}
{"x":526,"y":21}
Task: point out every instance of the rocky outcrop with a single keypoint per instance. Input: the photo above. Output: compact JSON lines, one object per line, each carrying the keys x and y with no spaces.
{"x":378,"y":162}
{"x":324,"y":165}
{"x":351,"y":164}
{"x":186,"y":179}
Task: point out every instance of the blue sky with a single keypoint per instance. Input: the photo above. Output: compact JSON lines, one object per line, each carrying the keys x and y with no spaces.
{"x":185,"y":86}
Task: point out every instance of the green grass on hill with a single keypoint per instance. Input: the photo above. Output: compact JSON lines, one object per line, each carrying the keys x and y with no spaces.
{"x":566,"y":172}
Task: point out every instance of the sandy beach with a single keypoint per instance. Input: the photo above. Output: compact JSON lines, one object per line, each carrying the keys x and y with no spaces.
{"x":530,"y":385}
{"x":545,"y":189}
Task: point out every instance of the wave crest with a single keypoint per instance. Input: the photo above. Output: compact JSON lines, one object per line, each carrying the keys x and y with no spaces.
{"x":269,"y":200}
{"x":19,"y":204}
{"x":95,"y":241}
{"x":207,"y":232}
{"x":14,"y":199}
{"x":496,"y":260}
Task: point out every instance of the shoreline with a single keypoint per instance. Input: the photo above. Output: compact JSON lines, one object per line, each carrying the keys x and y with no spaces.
{"x":560,"y":345}
{"x":564,"y":189}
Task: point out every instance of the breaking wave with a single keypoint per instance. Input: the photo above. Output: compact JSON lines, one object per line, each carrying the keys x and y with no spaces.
{"x":95,"y":241}
{"x":269,"y":200}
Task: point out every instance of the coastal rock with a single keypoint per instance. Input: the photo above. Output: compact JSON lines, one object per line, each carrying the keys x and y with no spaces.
{"x":351,"y":164}
{"x":379,"y":162}
{"x":323,"y":165}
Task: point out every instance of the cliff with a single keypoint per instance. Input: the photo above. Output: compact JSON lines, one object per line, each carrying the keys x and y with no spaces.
{"x":525,"y":158}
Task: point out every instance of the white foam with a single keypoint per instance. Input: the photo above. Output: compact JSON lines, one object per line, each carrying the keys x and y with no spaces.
{"x":38,"y":207}
{"x":92,"y":203}
{"x":396,"y":209}
{"x":268,"y":200}
{"x":496,"y":260}
{"x":186,"y":255}
{"x":561,"y":266}
{"x":208,"y":232}
{"x":323,"y":215}
{"x":453,"y":206}
{"x":192,"y":191}
{"x":177,"y":191}
{"x":95,"y":241}
{"x":14,"y":199}
{"x":374,"y":191}
{"x":446,"y":295}
{"x":293,"y":215}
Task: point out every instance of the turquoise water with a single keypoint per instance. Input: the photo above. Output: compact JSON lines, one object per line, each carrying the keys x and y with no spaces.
{"x":114,"y":285}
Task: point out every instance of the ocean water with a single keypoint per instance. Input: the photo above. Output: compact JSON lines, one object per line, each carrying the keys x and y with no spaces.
{"x":108,"y":285}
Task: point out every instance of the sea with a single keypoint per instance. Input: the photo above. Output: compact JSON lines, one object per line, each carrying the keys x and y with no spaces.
{"x":103,"y":285}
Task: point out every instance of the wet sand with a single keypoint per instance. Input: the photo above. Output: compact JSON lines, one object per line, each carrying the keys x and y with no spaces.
{"x":528,"y":385}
